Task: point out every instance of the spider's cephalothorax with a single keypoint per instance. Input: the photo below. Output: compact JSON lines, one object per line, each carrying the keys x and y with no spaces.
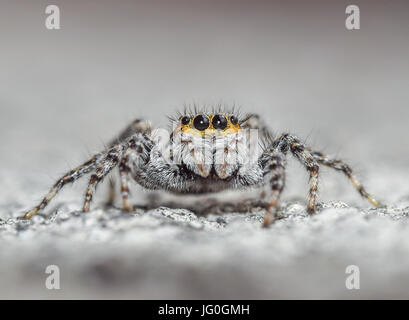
{"x":205,"y":152}
{"x":204,"y":143}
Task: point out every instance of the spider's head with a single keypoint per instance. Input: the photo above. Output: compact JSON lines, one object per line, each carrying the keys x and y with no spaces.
{"x":209,"y":141}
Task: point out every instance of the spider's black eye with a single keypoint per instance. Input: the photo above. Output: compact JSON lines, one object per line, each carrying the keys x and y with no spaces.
{"x":185,"y":120}
{"x":234,"y":120}
{"x":201,"y":122}
{"x":219,"y":122}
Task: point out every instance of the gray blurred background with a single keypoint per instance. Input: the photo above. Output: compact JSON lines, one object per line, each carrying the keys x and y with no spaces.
{"x":292,"y":61}
{"x":64,"y":93}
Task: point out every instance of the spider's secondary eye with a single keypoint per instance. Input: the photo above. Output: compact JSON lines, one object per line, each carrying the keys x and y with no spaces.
{"x":219,"y":122}
{"x":185,"y":120}
{"x":201,"y":122}
{"x":234,"y":120}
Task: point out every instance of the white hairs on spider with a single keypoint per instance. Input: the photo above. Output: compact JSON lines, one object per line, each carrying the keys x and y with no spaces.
{"x":225,"y":152}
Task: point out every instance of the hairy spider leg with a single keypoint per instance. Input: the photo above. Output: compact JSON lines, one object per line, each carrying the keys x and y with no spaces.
{"x":69,"y":177}
{"x":287,"y":142}
{"x":137,"y":143}
{"x":136,"y":126}
{"x":139,"y":146}
{"x":275,"y":166}
{"x":340,"y":165}
{"x":110,"y":160}
{"x":124,"y":170}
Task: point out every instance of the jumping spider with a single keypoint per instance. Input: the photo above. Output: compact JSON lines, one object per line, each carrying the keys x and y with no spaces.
{"x":205,"y":152}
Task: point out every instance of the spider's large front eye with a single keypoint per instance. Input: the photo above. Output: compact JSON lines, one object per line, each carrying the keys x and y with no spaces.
{"x":219,"y":122}
{"x":185,"y":120}
{"x":201,"y":122}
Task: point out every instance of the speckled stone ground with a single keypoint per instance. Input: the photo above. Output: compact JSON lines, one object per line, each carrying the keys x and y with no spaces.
{"x":174,"y":253}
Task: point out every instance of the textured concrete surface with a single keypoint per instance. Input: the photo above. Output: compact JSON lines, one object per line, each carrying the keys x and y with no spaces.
{"x":174,"y":253}
{"x":64,"y":93}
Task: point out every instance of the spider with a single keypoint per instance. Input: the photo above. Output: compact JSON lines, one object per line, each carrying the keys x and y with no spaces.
{"x":206,"y":151}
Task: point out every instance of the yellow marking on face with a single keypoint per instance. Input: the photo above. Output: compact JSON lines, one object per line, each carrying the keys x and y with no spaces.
{"x":230,"y":128}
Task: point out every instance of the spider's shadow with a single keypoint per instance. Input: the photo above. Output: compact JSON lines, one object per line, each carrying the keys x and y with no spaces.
{"x":208,"y":206}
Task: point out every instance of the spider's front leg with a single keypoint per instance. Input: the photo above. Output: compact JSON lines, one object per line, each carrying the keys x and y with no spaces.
{"x":137,"y":154}
{"x":286,"y":143}
{"x":139,"y":146}
{"x":273,"y":163}
{"x":124,"y":177}
{"x":135,"y":127}
{"x":110,"y":160}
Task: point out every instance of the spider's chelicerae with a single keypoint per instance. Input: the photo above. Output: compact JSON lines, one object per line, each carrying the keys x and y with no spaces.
{"x":204,"y":152}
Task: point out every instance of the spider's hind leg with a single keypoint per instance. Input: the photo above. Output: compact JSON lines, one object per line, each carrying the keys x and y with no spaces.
{"x":311,"y":160}
{"x":69,"y":177}
{"x":340,"y":165}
